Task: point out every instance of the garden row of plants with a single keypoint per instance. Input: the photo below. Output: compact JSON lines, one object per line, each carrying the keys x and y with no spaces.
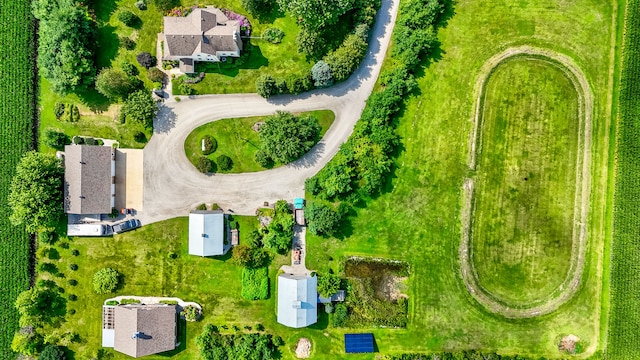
{"x":336,"y":62}
{"x":462,"y":355}
{"x":362,"y":165}
{"x":623,"y":336}
{"x":17,"y":116}
{"x":216,"y":346}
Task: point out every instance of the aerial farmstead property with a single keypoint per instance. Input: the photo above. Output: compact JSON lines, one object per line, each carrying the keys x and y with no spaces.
{"x":394,"y":179}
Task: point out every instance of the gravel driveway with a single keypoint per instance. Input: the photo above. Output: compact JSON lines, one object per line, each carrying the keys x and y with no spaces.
{"x":173,"y":187}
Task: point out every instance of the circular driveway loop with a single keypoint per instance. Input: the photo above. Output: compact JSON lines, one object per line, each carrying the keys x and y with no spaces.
{"x":173,"y":186}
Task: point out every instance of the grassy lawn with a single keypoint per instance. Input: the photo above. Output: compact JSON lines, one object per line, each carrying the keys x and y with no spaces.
{"x":418,"y":218}
{"x":526,"y":181}
{"x":239,"y":141}
{"x":215,"y":283}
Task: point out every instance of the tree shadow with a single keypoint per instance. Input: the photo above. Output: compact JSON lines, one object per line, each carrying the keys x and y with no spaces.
{"x":165,"y":120}
{"x":95,"y":101}
{"x":323,"y":320}
{"x":107,"y":45}
{"x":269,"y":17}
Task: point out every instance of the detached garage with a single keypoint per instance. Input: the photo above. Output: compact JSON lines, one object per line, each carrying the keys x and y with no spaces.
{"x":206,"y":233}
{"x":359,"y":343}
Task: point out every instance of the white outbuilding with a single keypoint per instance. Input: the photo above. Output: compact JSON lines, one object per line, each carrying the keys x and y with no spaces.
{"x":297,"y":300}
{"x":206,"y":233}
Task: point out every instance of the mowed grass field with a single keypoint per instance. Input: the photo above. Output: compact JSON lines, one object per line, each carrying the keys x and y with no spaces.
{"x":525,"y":182}
{"x":624,"y":336}
{"x":17,"y":116}
{"x":418,"y":218}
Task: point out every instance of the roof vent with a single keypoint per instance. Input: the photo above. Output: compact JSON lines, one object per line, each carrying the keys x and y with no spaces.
{"x":297,"y":304}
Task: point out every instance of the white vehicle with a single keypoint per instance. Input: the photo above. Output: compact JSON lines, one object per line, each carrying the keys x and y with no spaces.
{"x":86,"y":230}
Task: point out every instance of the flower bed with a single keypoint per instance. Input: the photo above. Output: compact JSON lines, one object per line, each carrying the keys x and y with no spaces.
{"x":245,"y":25}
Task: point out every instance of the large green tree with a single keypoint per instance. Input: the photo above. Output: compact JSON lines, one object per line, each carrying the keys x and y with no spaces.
{"x":141,"y":107}
{"x":40,"y":305}
{"x":323,"y":220}
{"x":35,"y":194}
{"x":328,"y":284}
{"x":65,"y":41}
{"x":115,"y":83}
{"x":318,"y":13}
{"x":285,"y":137}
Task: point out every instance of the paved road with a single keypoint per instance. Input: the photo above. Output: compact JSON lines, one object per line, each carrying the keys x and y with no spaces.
{"x":173,"y":187}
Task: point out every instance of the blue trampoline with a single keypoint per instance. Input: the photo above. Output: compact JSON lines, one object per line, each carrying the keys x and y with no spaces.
{"x":358,"y":343}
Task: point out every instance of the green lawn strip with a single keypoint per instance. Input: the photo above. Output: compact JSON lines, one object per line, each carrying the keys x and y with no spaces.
{"x":17,"y":116}
{"x":239,"y":141}
{"x":417,"y":220}
{"x":526,"y":181}
{"x":142,"y":257}
{"x":625,"y":276}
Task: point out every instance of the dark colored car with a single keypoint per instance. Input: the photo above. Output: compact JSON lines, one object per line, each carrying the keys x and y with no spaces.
{"x":126,"y":226}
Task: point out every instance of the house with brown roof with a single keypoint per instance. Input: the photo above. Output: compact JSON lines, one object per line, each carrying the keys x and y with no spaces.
{"x":206,"y":34}
{"x":89,"y":179}
{"x":139,"y":330}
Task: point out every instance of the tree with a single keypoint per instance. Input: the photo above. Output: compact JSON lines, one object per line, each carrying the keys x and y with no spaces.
{"x":105,"y":280}
{"x":52,"y":352}
{"x":146,"y":60}
{"x":130,"y":69}
{"x":156,"y":75}
{"x":251,"y":257}
{"x":65,"y":41}
{"x":285,"y":137}
{"x":259,"y":8}
{"x":345,"y":59}
{"x":141,"y":107}
{"x":340,"y":314}
{"x":26,"y":341}
{"x":35,"y":194}
{"x":323,"y":220}
{"x":318,"y":13}
{"x":204,"y":164}
{"x":56,"y":139}
{"x":224,"y":162}
{"x":273,"y":35}
{"x":279,"y":233}
{"x":40,"y":305}
{"x":114,"y":83}
{"x":266,"y":86}
{"x":128,"y":18}
{"x":321,"y":74}
{"x":328,"y":284}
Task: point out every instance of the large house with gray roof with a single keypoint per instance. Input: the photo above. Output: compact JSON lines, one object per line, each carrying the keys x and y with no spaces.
{"x":206,"y":34}
{"x":140,"y":330}
{"x":297,"y":300}
{"x":89,"y":179}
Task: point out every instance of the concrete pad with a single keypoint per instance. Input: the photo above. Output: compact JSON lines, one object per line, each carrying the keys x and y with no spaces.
{"x":129,"y":179}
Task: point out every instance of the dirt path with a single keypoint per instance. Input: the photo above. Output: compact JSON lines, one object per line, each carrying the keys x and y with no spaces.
{"x":583,"y":182}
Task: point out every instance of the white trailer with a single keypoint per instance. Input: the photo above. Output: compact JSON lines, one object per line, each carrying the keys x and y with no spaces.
{"x":86,"y":230}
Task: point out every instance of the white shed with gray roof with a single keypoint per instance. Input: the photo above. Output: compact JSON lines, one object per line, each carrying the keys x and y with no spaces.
{"x":206,"y":233}
{"x":297,"y":300}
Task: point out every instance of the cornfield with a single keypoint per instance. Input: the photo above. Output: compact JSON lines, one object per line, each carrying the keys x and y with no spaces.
{"x":17,"y":118}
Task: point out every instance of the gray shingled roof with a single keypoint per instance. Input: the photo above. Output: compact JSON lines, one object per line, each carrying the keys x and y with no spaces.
{"x":87,"y":179}
{"x":145,"y":329}
{"x":205,"y":30}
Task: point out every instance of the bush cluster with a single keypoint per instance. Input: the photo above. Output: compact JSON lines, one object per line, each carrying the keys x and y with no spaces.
{"x":204,"y":164}
{"x":224,"y":162}
{"x":156,"y":75}
{"x":286,"y":137}
{"x":128,"y":18}
{"x":105,"y":280}
{"x":255,"y":283}
{"x":214,"y":346}
{"x":273,"y":35}
{"x":190,"y":313}
{"x":66,"y":112}
{"x":210,"y":144}
{"x":146,"y":60}
{"x":461,"y":355}
{"x":127,"y":43}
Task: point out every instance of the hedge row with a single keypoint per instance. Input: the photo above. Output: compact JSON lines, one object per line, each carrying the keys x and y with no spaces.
{"x":255,"y":283}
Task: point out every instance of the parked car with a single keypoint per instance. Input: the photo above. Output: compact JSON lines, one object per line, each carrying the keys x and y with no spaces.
{"x":126,"y":211}
{"x":296,"y":257}
{"x":126,"y":226}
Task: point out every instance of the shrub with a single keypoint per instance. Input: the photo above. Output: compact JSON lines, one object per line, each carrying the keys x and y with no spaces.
{"x":260,"y":327}
{"x":56,"y":139}
{"x":112,"y":302}
{"x":48,"y":267}
{"x":210,"y":144}
{"x":130,"y":69}
{"x":345,"y":59}
{"x":186,"y":89}
{"x":266,"y":86}
{"x":273,"y":35}
{"x":156,"y":75}
{"x":71,"y":311}
{"x":263,"y":159}
{"x":340,"y":315}
{"x":204,"y":164}
{"x":46,"y":284}
{"x":73,"y":267}
{"x":127,"y":43}
{"x":146,"y":60}
{"x":224,"y":162}
{"x":190,"y":313}
{"x":58,"y":109}
{"x":297,"y":84}
{"x":141,"y":107}
{"x":114,"y":83}
{"x":192,"y":78}
{"x":169,"y":302}
{"x":250,"y":257}
{"x":72,"y":282}
{"x":328,"y":284}
{"x":73,"y":297}
{"x":52,"y":352}
{"x":323,"y":220}
{"x":140,"y":137}
{"x":141,"y":4}
{"x":90,"y":141}
{"x":78,"y":140}
{"x":172,"y":255}
{"x":255,"y":283}
{"x":321,"y":74}
{"x":128,"y":18}
{"x":75,"y":252}
{"x":105,"y":280}
{"x":64,"y":245}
